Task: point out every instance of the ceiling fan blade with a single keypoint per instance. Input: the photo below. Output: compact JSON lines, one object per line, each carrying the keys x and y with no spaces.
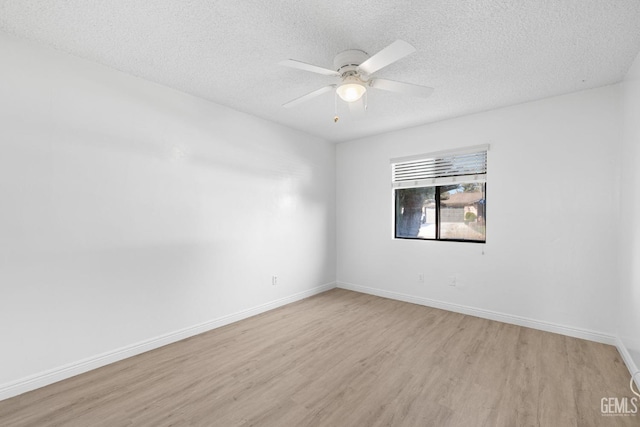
{"x":390,"y":54}
{"x":308,"y":96}
{"x":308,"y":67}
{"x":399,"y":87}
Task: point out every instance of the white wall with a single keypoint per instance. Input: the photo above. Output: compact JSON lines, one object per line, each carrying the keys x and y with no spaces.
{"x":629,"y":306}
{"x":129,"y":211}
{"x":550,"y":255}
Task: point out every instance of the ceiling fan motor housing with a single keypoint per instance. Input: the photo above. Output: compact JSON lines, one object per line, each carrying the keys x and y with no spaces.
{"x":346,"y":63}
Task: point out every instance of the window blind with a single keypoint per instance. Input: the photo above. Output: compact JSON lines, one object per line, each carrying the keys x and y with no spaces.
{"x":441,"y":168}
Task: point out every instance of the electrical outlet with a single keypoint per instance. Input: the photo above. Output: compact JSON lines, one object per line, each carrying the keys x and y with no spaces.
{"x":421,"y":277}
{"x":274,"y":280}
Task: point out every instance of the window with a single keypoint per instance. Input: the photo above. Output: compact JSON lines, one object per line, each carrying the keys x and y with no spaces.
{"x":441,"y":196}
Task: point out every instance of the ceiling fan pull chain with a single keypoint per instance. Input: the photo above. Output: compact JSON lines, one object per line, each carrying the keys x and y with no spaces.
{"x":335,"y":107}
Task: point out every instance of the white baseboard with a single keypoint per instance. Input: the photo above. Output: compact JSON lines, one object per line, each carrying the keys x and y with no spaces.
{"x":628,"y":360}
{"x":67,"y":371}
{"x":486,"y":314}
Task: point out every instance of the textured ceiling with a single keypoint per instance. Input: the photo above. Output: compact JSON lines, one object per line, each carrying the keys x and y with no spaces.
{"x":478,"y":55}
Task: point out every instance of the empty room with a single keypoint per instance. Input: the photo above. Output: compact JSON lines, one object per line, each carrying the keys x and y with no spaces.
{"x":253,"y":213}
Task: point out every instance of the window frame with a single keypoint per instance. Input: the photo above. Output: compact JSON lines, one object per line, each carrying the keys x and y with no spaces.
{"x":431,"y":174}
{"x":437,"y":215}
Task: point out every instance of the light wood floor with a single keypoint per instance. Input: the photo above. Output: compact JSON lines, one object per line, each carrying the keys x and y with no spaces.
{"x":344,"y":359}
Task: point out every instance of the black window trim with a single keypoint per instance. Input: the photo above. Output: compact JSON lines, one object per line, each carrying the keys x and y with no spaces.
{"x":437,"y":212}
{"x":437,"y":170}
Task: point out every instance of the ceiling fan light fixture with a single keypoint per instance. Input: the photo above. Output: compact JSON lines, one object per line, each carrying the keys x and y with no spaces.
{"x":351,"y":92}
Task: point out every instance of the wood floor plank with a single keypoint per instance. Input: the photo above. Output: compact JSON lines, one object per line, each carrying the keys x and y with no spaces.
{"x":344,"y":359}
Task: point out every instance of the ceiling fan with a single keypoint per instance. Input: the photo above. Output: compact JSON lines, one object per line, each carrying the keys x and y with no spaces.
{"x":354,"y":69}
